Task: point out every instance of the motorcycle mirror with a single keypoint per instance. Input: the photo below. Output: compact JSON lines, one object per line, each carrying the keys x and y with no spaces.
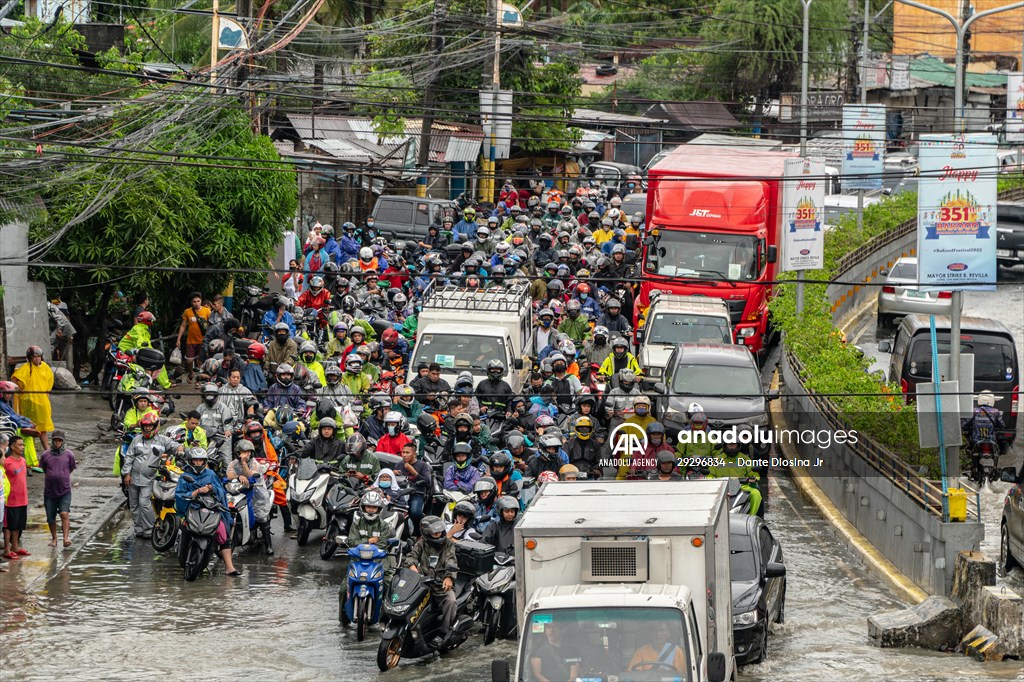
{"x":1008,"y":475}
{"x":392,"y":542}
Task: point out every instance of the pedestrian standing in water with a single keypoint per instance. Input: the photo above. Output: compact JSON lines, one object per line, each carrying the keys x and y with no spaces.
{"x":58,"y":462}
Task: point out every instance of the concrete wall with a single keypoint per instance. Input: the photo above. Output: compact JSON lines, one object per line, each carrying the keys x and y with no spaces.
{"x":864,"y":265}
{"x":27,"y":322}
{"x":911,"y":537}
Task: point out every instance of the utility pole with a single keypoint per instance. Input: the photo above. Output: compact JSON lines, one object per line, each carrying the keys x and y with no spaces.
{"x":489,"y":165}
{"x":423,"y":160}
{"x":961,"y":29}
{"x":214,"y":41}
{"x":804,"y":81}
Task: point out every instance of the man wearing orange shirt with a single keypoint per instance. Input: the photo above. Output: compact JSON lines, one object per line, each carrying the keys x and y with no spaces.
{"x":194,"y":322}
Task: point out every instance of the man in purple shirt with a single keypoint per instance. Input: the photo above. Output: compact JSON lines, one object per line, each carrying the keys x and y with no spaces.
{"x":57,"y":463}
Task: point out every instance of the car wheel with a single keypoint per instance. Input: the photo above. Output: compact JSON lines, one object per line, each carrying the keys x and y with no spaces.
{"x":762,"y":655}
{"x":883,"y":321}
{"x":781,"y":616}
{"x":1006,"y":559}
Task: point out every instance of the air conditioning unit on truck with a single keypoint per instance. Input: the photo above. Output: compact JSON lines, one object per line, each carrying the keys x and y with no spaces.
{"x":624,"y":580}
{"x":714,"y":216}
{"x":462,"y":329}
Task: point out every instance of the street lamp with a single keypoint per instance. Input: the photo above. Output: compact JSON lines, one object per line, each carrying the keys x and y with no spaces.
{"x":958,"y":124}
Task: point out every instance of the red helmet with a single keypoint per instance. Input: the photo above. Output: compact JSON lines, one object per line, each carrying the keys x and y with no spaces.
{"x":145,"y":317}
{"x":8,"y":387}
{"x":149,"y":419}
{"x":389,"y":338}
{"x":257,"y":351}
{"x":583,"y":288}
{"x":547,"y":477}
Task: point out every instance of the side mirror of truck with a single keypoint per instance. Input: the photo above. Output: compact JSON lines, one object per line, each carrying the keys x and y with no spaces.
{"x":775,"y":570}
{"x":499,"y":670}
{"x":885,"y":346}
{"x":1008,"y":475}
{"x":773,"y":254}
{"x":517,"y":363}
{"x":716,"y":667}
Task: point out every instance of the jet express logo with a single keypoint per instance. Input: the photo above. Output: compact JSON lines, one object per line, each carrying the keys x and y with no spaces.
{"x":703,"y":213}
{"x":628,"y":441}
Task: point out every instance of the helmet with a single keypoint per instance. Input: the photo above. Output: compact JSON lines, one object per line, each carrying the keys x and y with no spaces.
{"x":569,"y":470}
{"x":253,"y":429}
{"x":698,"y":418}
{"x":544,"y":421}
{"x":573,"y":308}
{"x":145,"y":317}
{"x":495,"y":368}
{"x":327,"y":421}
{"x":307,"y":347}
{"x":618,"y":248}
{"x":636,"y":219}
{"x":371,"y":498}
{"x":501,"y":464}
{"x":464,"y":508}
{"x":555,"y":286}
{"x":379,"y":401}
{"x":432,"y":530}
{"x":566,"y":210}
{"x":615,"y":202}
{"x":136,"y":394}
{"x":149,"y":419}
{"x":584,"y":427}
{"x":620,"y":342}
{"x":209,"y":389}
{"x":354,"y":363}
{"x":281,"y":327}
{"x":285,"y":373}
{"x":244,"y":446}
{"x":627,"y":377}
{"x":426,"y":423}
{"x":470,"y":212}
{"x":397,"y":419}
{"x":216,"y":346}
{"x":389,"y":338}
{"x":655,"y":427}
{"x":355,"y":444}
{"x":462,"y":449}
{"x":601,"y":331}
{"x":256,"y":351}
{"x":549,"y":440}
{"x":667,"y":457}
{"x":405,"y":391}
{"x":515,"y":440}
{"x":547,"y":477}
{"x":463,"y":420}
{"x":331,"y":369}
{"x":366,"y":254}
{"x":483,"y":232}
{"x":694,"y":408}
{"x":986,"y":399}
{"x":197,"y":453}
{"x":485,"y":485}
{"x":613,"y":303}
{"x":506,"y":502}
{"x":316,"y":283}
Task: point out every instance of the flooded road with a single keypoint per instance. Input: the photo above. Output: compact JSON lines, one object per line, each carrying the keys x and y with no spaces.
{"x":121,"y":611}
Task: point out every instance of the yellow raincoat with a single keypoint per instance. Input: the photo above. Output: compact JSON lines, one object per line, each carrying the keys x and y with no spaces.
{"x":33,"y":400}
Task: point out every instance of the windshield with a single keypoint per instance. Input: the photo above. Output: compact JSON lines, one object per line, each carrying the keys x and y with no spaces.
{"x":673,"y":328}
{"x":460,"y":352}
{"x":993,"y":355}
{"x":605,"y":644}
{"x":695,"y":254}
{"x":741,"y":559}
{"x":722,"y":380}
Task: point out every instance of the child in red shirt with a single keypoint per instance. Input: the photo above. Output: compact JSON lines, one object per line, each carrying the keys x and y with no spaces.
{"x":16,"y":511}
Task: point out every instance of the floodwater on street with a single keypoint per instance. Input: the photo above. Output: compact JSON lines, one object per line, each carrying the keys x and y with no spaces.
{"x":121,"y":611}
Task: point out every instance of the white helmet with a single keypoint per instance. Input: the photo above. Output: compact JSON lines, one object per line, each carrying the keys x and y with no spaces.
{"x":986,"y":399}
{"x":366,"y":254}
{"x":694,"y":408}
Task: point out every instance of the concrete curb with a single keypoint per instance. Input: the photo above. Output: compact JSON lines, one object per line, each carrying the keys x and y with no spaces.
{"x":113,"y":505}
{"x":898,"y":582}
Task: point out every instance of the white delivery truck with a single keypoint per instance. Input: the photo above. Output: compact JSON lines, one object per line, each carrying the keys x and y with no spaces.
{"x":462,"y":329}
{"x":672,"y":319}
{"x":624,"y":580}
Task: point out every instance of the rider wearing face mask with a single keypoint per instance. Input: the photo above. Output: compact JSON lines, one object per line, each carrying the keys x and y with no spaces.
{"x":597,"y":349}
{"x":544,"y":329}
{"x":283,"y":349}
{"x":394,"y":438}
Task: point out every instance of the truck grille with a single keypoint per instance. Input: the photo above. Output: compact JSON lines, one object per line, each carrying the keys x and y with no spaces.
{"x":736,"y":310}
{"x":614,"y":561}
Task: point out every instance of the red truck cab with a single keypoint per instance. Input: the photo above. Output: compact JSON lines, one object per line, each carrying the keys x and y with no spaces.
{"x":713,"y":221}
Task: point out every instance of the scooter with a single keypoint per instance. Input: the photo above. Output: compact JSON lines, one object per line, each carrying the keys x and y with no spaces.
{"x":165,"y":528}
{"x":739,"y":497}
{"x":452,"y":498}
{"x":412,"y":622}
{"x":497,"y":591}
{"x":362,"y":597}
{"x":197,"y":540}
{"x":308,"y":482}
{"x":341,"y":502}
{"x":985,"y":461}
{"x":251,"y":524}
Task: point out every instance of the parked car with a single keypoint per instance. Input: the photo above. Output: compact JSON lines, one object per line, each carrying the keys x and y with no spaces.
{"x":900,"y":295}
{"x":758,"y":586}
{"x":1011,"y":527}
{"x":1010,"y":234}
{"x":409,"y":217}
{"x":996,"y":367}
{"x":722,"y":378}
{"x":612,"y":174}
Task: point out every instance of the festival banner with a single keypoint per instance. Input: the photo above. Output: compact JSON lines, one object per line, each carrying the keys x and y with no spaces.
{"x":956,"y":212}
{"x":803,"y":214}
{"x":863,"y":146}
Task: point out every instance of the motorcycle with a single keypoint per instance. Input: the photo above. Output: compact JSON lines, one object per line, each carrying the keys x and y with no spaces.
{"x":497,"y":591}
{"x":197,"y":539}
{"x":342,"y":502}
{"x":308,"y":482}
{"x":250,"y":507}
{"x":117,"y":366}
{"x":412,"y":621}
{"x":984,"y":461}
{"x":165,"y":483}
{"x":361,"y":599}
{"x":254,"y":304}
{"x":452,"y":498}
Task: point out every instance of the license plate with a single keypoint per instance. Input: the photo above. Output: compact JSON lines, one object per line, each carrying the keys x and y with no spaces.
{"x":1005,"y":253}
{"x":916,"y":294}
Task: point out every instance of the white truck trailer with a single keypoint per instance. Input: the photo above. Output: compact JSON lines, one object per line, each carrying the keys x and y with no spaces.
{"x":624,"y":580}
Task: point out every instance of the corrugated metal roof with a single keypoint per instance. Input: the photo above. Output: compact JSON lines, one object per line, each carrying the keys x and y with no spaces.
{"x":342,"y":150}
{"x":611,"y":118}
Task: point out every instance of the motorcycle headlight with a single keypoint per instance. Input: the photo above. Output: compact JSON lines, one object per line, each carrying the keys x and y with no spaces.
{"x":748,"y":618}
{"x":366,"y":554}
{"x":399,"y":609}
{"x":303,"y":497}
